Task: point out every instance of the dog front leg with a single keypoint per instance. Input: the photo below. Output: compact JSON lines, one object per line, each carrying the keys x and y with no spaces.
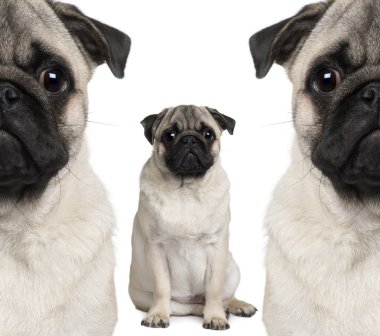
{"x":214,"y":316}
{"x":159,"y":313}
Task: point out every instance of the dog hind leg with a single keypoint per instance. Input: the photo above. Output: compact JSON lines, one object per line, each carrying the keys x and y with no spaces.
{"x":239,"y":308}
{"x":143,"y":301}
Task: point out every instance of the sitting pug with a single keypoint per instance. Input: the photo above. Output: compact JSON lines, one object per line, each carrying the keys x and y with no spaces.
{"x":56,"y":255}
{"x":181,"y":264}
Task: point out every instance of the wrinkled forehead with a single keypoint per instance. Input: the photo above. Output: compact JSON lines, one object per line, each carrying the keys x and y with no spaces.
{"x":350,"y":30}
{"x":30,"y":27}
{"x":189,"y":117}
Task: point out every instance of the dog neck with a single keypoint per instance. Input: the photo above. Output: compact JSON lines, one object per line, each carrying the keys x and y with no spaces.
{"x":156,"y":174}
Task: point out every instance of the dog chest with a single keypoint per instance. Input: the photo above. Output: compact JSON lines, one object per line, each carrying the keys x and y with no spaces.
{"x":187,"y":260}
{"x":185,"y":215}
{"x":324,"y":301}
{"x":49,"y":301}
{"x":321,"y":276}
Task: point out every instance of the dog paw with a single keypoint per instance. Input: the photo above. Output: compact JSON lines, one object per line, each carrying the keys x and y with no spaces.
{"x":155,"y":321}
{"x":241,"y":308}
{"x":216,"y":323}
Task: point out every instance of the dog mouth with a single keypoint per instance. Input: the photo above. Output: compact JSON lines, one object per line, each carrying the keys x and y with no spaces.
{"x":16,"y":166}
{"x":190,"y":164}
{"x":363,"y":165}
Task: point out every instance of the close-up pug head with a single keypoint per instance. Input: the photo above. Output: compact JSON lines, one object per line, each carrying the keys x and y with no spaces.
{"x":186,"y":139}
{"x":48,"y":53}
{"x":331,"y":52}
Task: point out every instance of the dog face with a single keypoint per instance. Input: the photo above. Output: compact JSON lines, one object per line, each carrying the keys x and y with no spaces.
{"x":49,"y":50}
{"x":186,"y":139}
{"x":331,"y":52}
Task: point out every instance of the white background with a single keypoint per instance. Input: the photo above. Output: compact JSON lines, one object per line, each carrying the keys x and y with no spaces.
{"x":193,"y":52}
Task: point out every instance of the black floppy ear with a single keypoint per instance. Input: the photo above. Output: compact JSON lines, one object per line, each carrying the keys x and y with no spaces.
{"x":279,"y":42}
{"x":225,"y":122}
{"x":151,"y":123}
{"x":148,"y":123}
{"x":102,"y":43}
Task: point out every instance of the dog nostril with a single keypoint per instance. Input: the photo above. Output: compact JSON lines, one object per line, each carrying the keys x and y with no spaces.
{"x":11,"y":95}
{"x":369,"y":96}
{"x":190,"y":140}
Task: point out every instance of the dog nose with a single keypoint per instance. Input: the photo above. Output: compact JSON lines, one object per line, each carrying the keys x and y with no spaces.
{"x":9,"y":95}
{"x":190,"y":140}
{"x":370,"y":94}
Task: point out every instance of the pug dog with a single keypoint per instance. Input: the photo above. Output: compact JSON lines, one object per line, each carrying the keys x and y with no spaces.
{"x":56,"y":224}
{"x":323,"y":224}
{"x":181,"y":264}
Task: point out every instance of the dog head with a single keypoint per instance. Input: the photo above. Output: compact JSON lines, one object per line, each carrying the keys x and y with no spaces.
{"x":331,"y":52}
{"x":49,"y":50}
{"x":186,"y":139}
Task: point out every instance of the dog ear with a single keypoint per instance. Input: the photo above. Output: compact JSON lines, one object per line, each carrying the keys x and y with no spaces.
{"x":102,"y":43}
{"x":225,"y":122}
{"x":279,"y":42}
{"x":151,"y":123}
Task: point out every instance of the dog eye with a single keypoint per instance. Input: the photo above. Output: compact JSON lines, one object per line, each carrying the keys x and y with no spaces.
{"x":170,"y":135}
{"x":53,"y":81}
{"x":209,"y":135}
{"x":327,"y":80}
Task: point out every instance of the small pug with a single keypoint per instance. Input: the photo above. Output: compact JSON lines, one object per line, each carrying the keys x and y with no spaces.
{"x":323,"y":255}
{"x":56,"y":255}
{"x":181,"y":264}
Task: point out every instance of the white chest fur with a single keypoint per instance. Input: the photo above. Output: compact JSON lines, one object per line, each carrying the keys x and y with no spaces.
{"x":195,"y":210}
{"x":323,"y":263}
{"x":56,"y":270}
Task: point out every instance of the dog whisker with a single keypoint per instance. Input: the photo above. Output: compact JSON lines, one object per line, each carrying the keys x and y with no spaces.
{"x":364,"y":206}
{"x":301,"y":125}
{"x":24,"y":215}
{"x":288,"y":122}
{"x":321,"y":182}
{"x":80,"y":180}
{"x":60,"y":187}
{"x":89,"y":121}
{"x":279,"y":123}
{"x":102,"y":123}
{"x":66,"y":125}
{"x":302,"y":178}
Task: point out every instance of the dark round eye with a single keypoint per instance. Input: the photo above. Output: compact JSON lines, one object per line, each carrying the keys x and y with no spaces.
{"x":208,"y":134}
{"x":327,"y":80}
{"x":170,"y":135}
{"x":53,"y":80}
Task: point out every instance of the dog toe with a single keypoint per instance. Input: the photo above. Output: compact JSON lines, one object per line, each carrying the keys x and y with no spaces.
{"x":241,"y":308}
{"x":216,"y":324}
{"x":155,"y":321}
